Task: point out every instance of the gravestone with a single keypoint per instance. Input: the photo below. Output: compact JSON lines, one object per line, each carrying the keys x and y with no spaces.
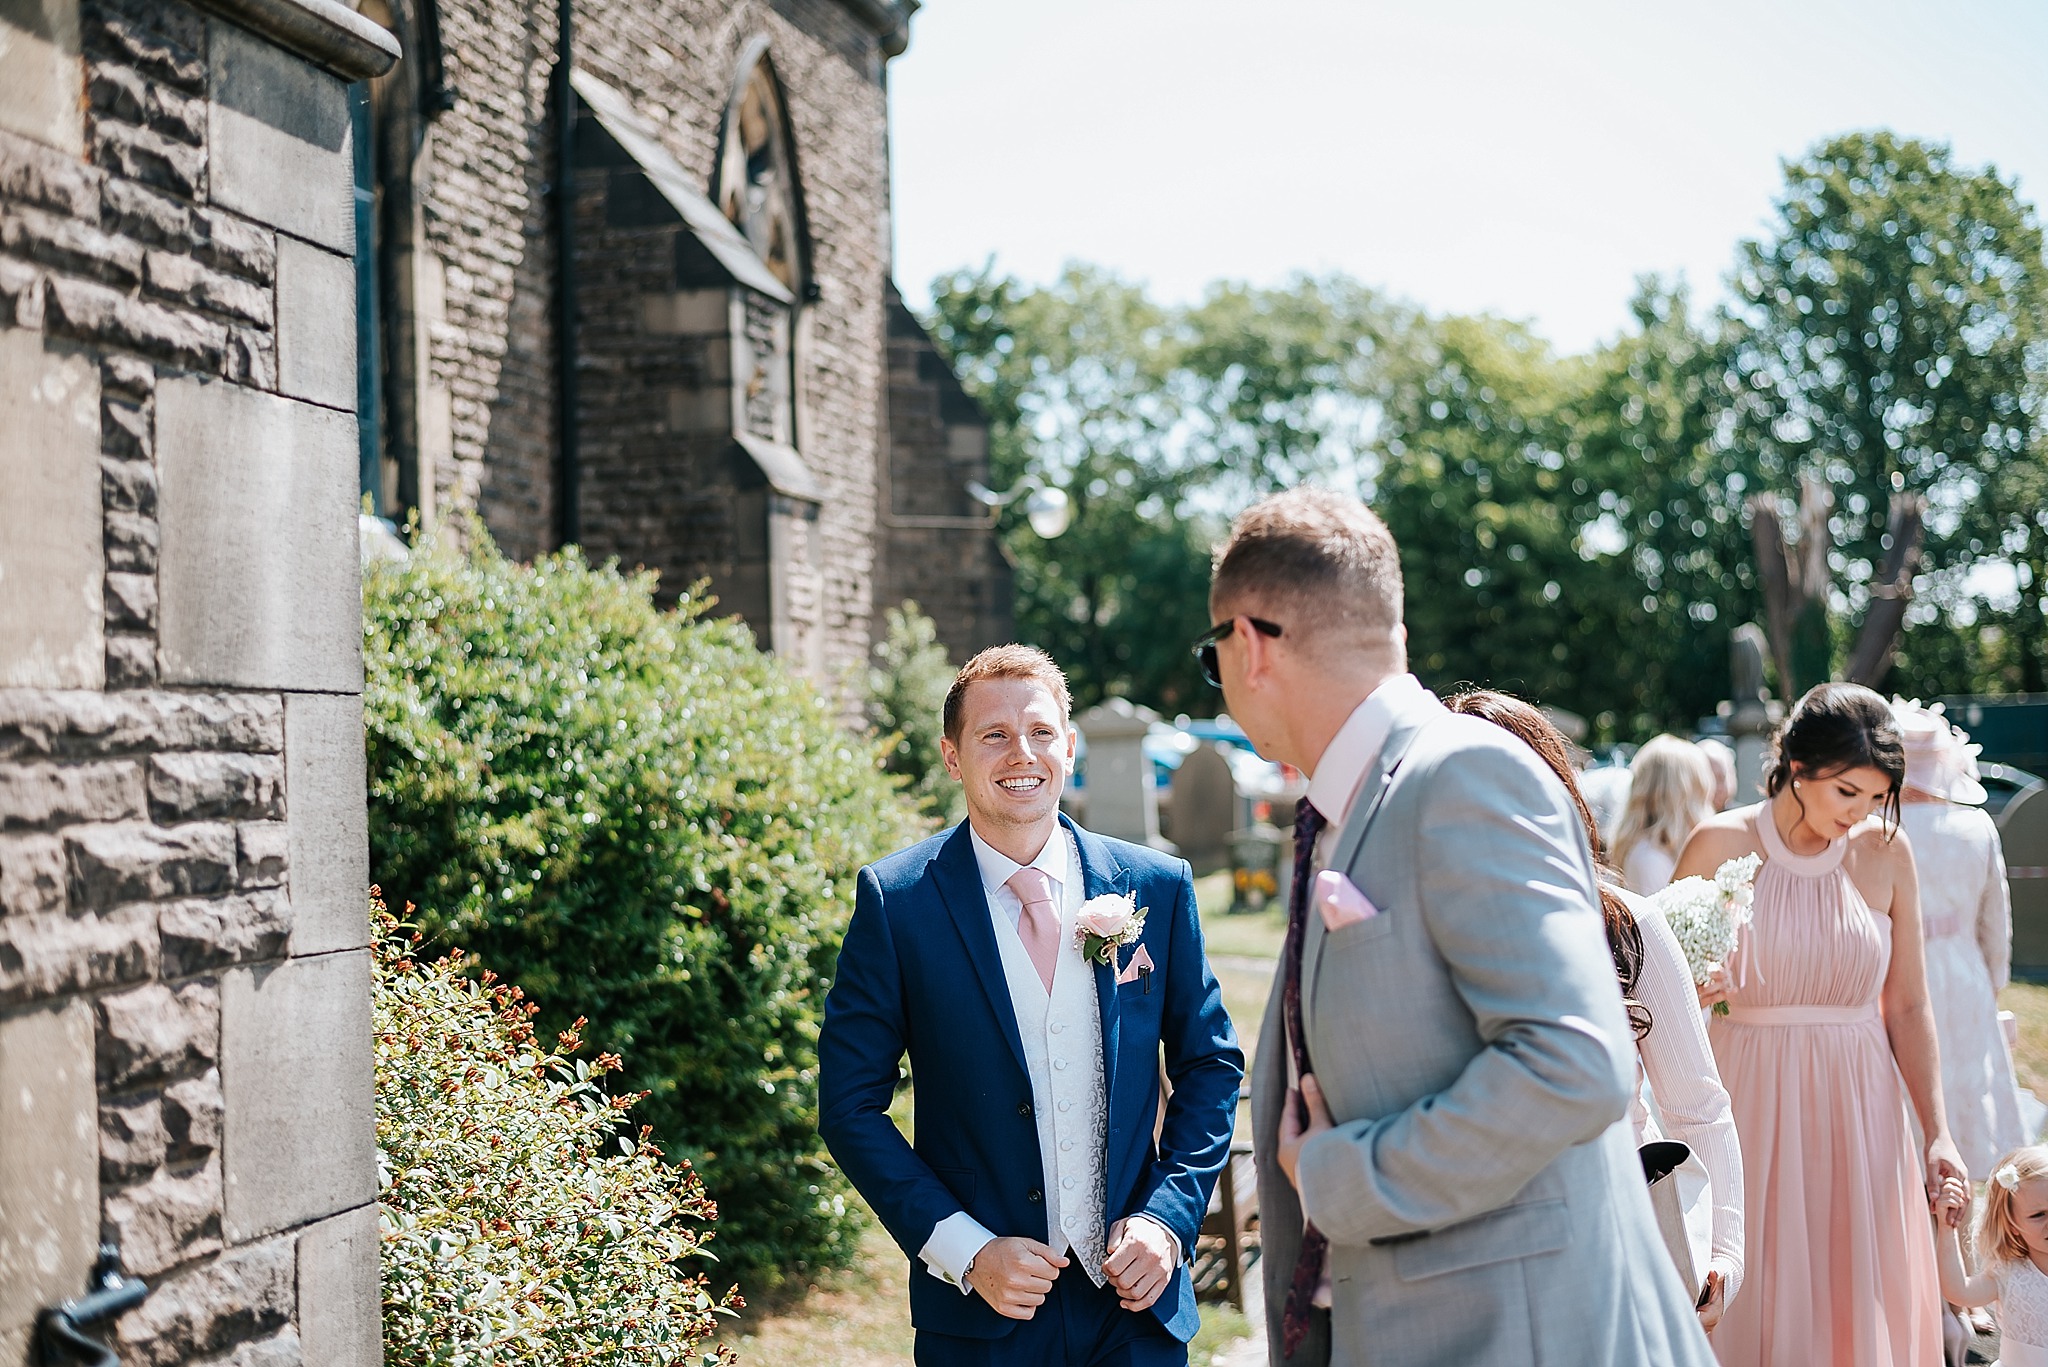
{"x":2023,"y":830}
{"x":1123,"y":800}
{"x":1204,"y":808}
{"x":1750,"y":716}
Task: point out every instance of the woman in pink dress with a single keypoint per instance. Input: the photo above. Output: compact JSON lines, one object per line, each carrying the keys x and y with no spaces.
{"x":1828,"y":1040}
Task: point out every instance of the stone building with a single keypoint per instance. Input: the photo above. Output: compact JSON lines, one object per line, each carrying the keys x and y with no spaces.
{"x":185,"y":992}
{"x":627,"y":285}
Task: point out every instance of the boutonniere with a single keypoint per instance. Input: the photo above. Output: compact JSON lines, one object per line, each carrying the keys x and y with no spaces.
{"x":1106,"y":924}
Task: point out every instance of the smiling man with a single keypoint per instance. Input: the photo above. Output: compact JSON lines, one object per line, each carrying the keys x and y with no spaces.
{"x":1032,"y":972}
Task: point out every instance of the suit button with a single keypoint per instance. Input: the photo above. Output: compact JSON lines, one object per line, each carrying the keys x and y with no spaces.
{"x":1059,"y":1063}
{"x":1034,"y":1196}
{"x":1024,"y":1108}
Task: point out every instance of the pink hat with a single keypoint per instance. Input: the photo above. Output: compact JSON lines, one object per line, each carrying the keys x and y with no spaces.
{"x":1940,"y":760}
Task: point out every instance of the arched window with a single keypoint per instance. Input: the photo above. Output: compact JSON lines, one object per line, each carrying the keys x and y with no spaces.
{"x":757,"y":185}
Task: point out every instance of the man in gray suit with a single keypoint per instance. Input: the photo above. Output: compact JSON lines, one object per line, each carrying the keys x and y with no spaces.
{"x":1445,"y":1171}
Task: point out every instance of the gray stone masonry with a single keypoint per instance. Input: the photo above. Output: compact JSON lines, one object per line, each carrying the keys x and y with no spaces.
{"x":178,"y":595}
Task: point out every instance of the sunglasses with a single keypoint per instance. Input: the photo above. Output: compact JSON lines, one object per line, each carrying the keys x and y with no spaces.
{"x":1205,"y":649}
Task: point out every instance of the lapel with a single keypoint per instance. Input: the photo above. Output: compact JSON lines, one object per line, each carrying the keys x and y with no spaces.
{"x":1374,"y":792}
{"x":958,"y":878}
{"x":1101,"y":873}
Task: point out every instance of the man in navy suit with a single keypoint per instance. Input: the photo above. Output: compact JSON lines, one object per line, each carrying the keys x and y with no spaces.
{"x":1044,"y":1221}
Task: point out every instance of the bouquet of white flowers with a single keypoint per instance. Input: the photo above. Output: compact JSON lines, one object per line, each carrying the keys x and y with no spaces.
{"x":1707,"y":915}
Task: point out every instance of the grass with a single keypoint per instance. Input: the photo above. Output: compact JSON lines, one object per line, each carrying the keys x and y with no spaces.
{"x":2029,"y":1002}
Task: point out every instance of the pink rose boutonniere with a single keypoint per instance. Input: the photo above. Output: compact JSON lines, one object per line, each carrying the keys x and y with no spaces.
{"x":1106,"y":924}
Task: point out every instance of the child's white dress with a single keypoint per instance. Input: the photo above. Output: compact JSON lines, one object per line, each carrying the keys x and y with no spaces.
{"x":2022,"y":1315}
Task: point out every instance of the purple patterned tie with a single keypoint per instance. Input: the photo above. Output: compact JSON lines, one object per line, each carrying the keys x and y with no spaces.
{"x":1308,"y":1268}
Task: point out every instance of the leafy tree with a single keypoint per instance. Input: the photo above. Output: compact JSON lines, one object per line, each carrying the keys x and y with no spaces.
{"x":635,"y":815}
{"x":906,"y":696}
{"x":1892,"y":334}
{"x":1078,"y":380}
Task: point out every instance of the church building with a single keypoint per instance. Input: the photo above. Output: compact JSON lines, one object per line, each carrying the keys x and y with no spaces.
{"x":625,"y":283}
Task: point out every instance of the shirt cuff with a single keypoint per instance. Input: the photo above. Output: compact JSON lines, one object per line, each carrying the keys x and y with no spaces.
{"x":952,"y":1246}
{"x":1178,"y":1256}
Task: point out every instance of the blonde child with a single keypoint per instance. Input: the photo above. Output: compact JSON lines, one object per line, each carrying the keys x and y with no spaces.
{"x":2012,"y":1250}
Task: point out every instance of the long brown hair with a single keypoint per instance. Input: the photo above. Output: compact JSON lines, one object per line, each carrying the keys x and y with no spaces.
{"x":1624,"y":936}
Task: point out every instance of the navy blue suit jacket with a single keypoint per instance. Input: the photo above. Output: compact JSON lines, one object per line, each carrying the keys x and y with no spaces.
{"x":920,"y":972}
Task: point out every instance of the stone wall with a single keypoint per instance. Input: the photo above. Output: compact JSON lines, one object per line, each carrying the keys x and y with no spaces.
{"x":184,"y":985}
{"x":938,"y":546}
{"x":486,"y":285}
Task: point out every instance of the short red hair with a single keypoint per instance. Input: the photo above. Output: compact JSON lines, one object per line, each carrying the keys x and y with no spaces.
{"x":1006,"y":662}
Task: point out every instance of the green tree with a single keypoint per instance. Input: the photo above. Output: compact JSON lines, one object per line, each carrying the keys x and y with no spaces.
{"x":1078,"y":381}
{"x":906,"y":695}
{"x":637,"y":816}
{"x":1892,"y":334}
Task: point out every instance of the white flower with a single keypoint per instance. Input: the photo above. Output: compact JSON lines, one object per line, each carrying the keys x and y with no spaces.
{"x":2007,"y":1177}
{"x":1107,"y":923}
{"x":1708,"y":916}
{"x":1109,"y":916}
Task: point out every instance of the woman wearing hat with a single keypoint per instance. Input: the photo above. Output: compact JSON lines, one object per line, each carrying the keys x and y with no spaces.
{"x":1966,"y":918}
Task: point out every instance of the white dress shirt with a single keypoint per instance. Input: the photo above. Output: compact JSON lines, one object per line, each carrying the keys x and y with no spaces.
{"x":1351,"y":754}
{"x":1070,"y":1009}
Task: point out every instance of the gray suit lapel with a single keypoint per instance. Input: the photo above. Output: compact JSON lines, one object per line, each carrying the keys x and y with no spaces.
{"x":1374,"y":792}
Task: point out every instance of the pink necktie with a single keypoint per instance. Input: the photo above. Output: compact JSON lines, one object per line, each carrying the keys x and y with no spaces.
{"x":1039,"y":926}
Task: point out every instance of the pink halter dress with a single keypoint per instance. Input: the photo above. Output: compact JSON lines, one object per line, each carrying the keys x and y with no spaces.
{"x":1839,"y":1258}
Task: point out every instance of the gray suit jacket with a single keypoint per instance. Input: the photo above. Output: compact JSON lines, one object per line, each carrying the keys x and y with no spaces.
{"x":1481,"y":1190}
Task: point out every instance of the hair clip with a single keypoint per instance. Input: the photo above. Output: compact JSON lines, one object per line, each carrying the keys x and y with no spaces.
{"x":2007,"y":1177}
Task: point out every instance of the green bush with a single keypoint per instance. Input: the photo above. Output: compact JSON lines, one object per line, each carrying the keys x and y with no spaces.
{"x":906,"y":694}
{"x":519,"y":1224}
{"x":636,"y":815}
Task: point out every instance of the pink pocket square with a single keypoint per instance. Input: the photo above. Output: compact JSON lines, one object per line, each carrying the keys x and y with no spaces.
{"x":1341,"y":902}
{"x":1141,"y":962}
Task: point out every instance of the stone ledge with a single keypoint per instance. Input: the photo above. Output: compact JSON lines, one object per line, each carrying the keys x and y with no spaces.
{"x":324,"y":32}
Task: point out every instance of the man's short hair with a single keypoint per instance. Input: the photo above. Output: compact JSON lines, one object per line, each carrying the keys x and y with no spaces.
{"x":1005,"y":662}
{"x":1319,"y":562}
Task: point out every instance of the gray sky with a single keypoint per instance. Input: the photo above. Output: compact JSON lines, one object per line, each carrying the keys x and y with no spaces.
{"x":1526,"y":159}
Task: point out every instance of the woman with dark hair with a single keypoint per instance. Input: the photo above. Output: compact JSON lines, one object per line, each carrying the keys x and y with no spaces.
{"x":1827,"y":1040}
{"x":1656,"y":985}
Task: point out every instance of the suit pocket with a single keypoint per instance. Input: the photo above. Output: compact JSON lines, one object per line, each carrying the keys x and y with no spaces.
{"x":1519,"y":1231}
{"x":959,"y":1181}
{"x":1365,"y":932}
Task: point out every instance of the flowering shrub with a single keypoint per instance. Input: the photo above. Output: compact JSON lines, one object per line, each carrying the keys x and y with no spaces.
{"x":637,"y":815}
{"x":519,"y":1223}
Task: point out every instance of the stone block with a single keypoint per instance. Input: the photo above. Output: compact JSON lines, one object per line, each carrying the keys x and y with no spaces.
{"x":131,"y":543}
{"x":128,"y":485}
{"x":258,"y":568}
{"x":328,"y":799}
{"x":131,"y":660}
{"x":316,"y":325}
{"x":216,"y":785}
{"x":131,"y":601}
{"x":49,"y":1164}
{"x":282,"y":1351}
{"x":181,"y":278}
{"x":35,"y":724}
{"x":70,"y":245}
{"x":165,"y":45}
{"x":37,"y":174}
{"x":51,"y":562}
{"x":170,"y":1219}
{"x":41,"y":73}
{"x":59,"y":794}
{"x":192,"y":1114}
{"x":127,"y":376}
{"x":146,"y":155}
{"x":95,"y":313}
{"x":263,"y":854}
{"x":132,"y":1140}
{"x":133,"y":861}
{"x":32,"y":877}
{"x":244,"y":929}
{"x":270,"y":110}
{"x":339,"y":1300}
{"x":47,"y":955}
{"x":299,"y":1140}
{"x":153,"y":1033}
{"x":244,"y":1294}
